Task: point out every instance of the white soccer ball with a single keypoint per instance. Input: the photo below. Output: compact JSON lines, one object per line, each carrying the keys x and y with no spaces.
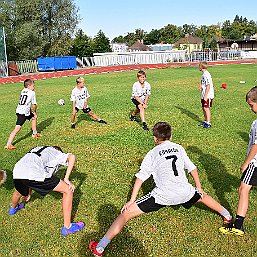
{"x":61,"y":102}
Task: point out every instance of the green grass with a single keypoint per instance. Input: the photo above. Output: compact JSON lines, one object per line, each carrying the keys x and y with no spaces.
{"x":108,"y":156}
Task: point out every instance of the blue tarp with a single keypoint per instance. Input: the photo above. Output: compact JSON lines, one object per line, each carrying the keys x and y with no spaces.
{"x":56,"y":63}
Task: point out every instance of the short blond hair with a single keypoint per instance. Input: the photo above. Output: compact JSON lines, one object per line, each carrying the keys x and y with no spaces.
{"x":80,"y":79}
{"x":203,"y":65}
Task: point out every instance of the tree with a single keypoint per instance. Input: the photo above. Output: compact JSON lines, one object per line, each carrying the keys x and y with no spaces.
{"x":101,"y":43}
{"x":38,"y":27}
{"x":189,"y":29}
{"x":170,"y":34}
{"x":119,"y":39}
{"x":153,"y":37}
{"x":82,"y":45}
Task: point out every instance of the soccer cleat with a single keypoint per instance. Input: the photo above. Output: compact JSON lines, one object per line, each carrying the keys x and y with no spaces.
{"x":134,"y":118}
{"x":201,"y":124}
{"x":227,"y":221}
{"x":207,"y":125}
{"x":144,"y":126}
{"x":92,"y":247}
{"x":75,"y":227}
{"x":37,"y":135}
{"x":102,"y":121}
{"x":10,"y":147}
{"x":72,"y":126}
{"x":13,"y":211}
{"x":231,"y":230}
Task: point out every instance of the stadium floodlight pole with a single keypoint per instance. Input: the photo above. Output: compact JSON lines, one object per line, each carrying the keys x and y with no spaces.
{"x":5,"y":53}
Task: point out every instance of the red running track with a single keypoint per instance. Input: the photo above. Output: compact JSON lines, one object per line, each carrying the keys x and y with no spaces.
{"x":97,"y":70}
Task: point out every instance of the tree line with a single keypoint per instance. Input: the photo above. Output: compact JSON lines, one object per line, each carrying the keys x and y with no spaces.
{"x":49,"y":27}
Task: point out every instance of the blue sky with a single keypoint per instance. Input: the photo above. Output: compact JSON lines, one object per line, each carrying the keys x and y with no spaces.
{"x":118,"y":17}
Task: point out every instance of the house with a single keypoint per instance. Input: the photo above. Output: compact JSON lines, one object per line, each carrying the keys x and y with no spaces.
{"x":245,"y":44}
{"x":189,"y":43}
{"x":138,"y":46}
{"x":119,"y":47}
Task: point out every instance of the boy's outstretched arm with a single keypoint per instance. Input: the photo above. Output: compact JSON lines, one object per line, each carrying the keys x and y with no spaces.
{"x":136,"y":188}
{"x":249,"y":157}
{"x":194,"y":174}
{"x":71,"y":161}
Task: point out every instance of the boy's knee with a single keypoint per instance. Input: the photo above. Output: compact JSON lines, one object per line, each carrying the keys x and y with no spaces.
{"x":243,"y":189}
{"x":68,"y":190}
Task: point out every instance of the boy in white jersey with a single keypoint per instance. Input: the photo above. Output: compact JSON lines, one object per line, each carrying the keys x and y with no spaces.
{"x":36,"y":170}
{"x":24,"y":112}
{"x":249,"y":173}
{"x":79,"y":98}
{"x":207,"y":94}
{"x":141,"y":91}
{"x":166,"y":163}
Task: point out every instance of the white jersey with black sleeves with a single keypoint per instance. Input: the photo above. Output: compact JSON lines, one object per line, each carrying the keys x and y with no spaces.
{"x":141,"y":92}
{"x":79,"y":95}
{"x":34,"y":167}
{"x":167,"y":163}
{"x":27,"y":98}
{"x":206,"y":79}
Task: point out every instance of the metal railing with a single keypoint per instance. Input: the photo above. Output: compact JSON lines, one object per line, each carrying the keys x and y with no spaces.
{"x":27,"y":66}
{"x":157,"y":57}
{"x":130,"y":58}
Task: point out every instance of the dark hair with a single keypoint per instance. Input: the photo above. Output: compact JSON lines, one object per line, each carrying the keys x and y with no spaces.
{"x":252,"y":95}
{"x":162,"y":131}
{"x":141,"y":73}
{"x":28,"y":82}
{"x":58,"y":148}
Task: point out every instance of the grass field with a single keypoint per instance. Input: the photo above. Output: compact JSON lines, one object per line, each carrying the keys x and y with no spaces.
{"x":108,"y":156}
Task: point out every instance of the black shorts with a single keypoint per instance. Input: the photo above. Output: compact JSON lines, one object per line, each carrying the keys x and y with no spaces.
{"x":21,"y":118}
{"x":135,"y":102}
{"x":249,"y":176}
{"x":43,"y":188}
{"x":86,"y":110}
{"x":147,"y":203}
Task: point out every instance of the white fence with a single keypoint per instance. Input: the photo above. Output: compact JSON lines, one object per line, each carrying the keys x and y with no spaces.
{"x":130,"y":58}
{"x":157,"y":57}
{"x":27,"y":66}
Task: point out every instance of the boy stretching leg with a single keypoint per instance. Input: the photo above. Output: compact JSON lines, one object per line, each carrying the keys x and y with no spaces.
{"x":167,"y":163}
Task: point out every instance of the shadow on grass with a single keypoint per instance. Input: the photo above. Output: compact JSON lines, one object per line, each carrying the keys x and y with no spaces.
{"x":146,"y":187}
{"x":244,"y":136}
{"x":189,"y":114}
{"x":86,"y":117}
{"x":122,"y":245}
{"x":218,"y":176}
{"x":80,"y":178}
{"x":40,"y":127}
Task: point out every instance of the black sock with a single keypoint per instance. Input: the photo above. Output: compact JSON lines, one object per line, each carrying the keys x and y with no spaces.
{"x":239,"y":222}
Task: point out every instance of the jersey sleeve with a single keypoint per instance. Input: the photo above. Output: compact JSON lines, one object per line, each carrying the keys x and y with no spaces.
{"x":60,"y":159}
{"x":33,"y":98}
{"x":188,"y":164}
{"x":134,"y":90}
{"x":146,"y":168}
{"x":148,"y":91}
{"x":72,"y":97}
